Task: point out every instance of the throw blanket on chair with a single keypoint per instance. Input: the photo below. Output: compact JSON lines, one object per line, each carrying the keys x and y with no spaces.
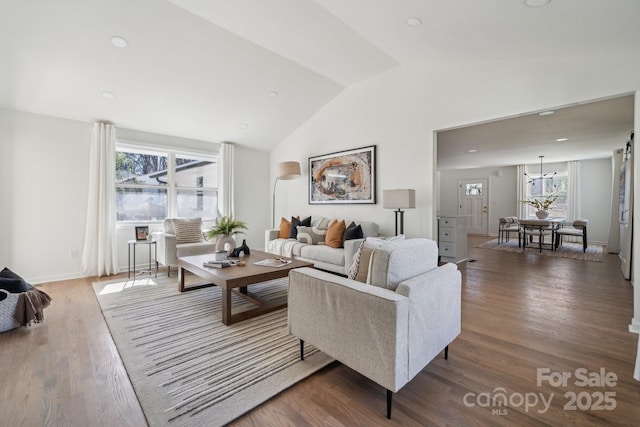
{"x":31,"y":305}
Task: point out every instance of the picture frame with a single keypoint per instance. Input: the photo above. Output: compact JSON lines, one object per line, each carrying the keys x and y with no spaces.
{"x":343,"y":177}
{"x":142,"y":232}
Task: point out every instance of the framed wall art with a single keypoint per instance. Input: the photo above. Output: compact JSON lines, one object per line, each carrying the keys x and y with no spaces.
{"x":343,"y":177}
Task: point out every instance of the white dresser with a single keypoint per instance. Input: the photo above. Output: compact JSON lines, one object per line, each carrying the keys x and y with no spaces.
{"x":452,"y":238}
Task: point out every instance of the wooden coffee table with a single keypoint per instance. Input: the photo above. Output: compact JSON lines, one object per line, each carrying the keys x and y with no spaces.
{"x":229,"y":279}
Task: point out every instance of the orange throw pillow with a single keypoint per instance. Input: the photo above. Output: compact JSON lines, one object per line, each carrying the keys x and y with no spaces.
{"x":285,"y":228}
{"x":335,"y":232}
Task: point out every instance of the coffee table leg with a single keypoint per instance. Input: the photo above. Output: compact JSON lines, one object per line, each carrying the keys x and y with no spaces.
{"x":226,"y":306}
{"x":181,"y":279}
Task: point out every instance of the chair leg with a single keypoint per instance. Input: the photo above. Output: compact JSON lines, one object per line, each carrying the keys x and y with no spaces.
{"x":168,"y":271}
{"x":584,"y":240}
{"x":301,"y":350}
{"x":446,"y":353}
{"x":389,"y":402}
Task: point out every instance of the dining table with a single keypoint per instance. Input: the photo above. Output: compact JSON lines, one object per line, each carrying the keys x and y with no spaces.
{"x":540,"y":227}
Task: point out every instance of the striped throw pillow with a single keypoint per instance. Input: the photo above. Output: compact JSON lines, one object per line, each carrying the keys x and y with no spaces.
{"x":188,"y":230}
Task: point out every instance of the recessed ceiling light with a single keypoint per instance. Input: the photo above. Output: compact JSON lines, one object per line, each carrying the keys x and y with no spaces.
{"x":562,"y":139}
{"x":118,"y":41}
{"x":546,"y":113}
{"x":108,"y":95}
{"x":536,"y":3}
{"x":272,"y":94}
{"x":413,"y":21}
{"x":244,"y":125}
{"x":473,"y":150}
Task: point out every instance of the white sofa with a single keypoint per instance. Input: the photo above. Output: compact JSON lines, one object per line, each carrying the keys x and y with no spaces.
{"x":169,"y":249}
{"x":336,"y":260}
{"x":389,"y":328}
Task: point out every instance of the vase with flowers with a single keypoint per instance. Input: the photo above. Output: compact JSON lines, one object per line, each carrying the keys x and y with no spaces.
{"x":224,"y":229}
{"x":542,"y":204}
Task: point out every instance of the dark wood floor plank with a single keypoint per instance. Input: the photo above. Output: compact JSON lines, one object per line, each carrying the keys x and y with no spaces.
{"x":520,"y":312}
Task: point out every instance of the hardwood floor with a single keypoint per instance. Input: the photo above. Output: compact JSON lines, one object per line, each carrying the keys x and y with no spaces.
{"x":520,"y":313}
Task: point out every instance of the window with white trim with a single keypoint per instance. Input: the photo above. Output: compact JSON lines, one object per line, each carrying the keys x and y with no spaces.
{"x":541,"y":187}
{"x":154,"y":184}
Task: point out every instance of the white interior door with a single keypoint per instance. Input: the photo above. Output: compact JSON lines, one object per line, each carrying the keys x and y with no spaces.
{"x":473,"y":204}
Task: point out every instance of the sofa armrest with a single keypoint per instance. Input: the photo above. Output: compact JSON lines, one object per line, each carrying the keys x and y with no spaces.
{"x":435,"y":313}
{"x":363,"y":326}
{"x":269,"y":235}
{"x":167,"y":251}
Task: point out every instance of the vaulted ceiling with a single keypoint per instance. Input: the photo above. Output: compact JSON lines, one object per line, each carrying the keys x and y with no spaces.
{"x":252,"y":71}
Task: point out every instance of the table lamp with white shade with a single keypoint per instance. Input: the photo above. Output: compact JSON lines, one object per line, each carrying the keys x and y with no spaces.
{"x":399,"y":199}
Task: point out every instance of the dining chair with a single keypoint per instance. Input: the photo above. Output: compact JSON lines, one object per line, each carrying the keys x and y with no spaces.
{"x":506,"y":226}
{"x":577,"y":228}
{"x":535,"y":227}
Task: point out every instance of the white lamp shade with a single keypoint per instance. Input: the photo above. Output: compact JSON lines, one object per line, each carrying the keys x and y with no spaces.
{"x":399,"y":199}
{"x":288,"y":170}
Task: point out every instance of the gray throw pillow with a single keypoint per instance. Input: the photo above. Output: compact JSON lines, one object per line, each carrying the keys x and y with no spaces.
{"x":311,"y":235}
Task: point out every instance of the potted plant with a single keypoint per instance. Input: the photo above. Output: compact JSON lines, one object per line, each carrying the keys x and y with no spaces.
{"x":223,"y":229}
{"x":542,"y":205}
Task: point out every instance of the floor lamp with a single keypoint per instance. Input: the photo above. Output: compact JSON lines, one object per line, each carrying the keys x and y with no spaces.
{"x":284,"y":171}
{"x":399,"y":199}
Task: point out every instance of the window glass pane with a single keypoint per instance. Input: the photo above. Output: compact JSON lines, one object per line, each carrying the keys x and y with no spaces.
{"x":539,"y":188}
{"x":141,"y":204}
{"x":195,"y":172}
{"x":141,"y":167}
{"x":474,"y":189}
{"x":197,"y":203}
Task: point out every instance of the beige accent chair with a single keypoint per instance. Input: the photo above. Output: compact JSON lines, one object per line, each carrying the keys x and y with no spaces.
{"x":172,"y":245}
{"x":577,"y":228}
{"x":389,"y":328}
{"x":540,"y":228}
{"x":506,"y":226}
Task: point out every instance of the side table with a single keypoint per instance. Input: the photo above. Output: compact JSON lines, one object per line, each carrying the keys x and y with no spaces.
{"x":149,"y":243}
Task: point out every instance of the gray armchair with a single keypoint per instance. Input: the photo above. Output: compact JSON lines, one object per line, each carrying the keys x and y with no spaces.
{"x":389,"y":328}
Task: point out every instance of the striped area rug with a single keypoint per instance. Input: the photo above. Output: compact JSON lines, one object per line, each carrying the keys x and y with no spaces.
{"x":186,"y":366}
{"x":566,"y":250}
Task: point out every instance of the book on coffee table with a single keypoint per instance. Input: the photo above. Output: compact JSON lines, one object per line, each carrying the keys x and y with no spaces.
{"x":218,"y":264}
{"x":273,"y":262}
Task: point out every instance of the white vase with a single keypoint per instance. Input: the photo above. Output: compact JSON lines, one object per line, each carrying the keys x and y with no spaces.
{"x":542,"y":214}
{"x":227,"y":243}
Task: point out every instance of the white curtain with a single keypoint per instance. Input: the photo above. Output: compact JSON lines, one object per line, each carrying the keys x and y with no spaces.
{"x":573,"y":193}
{"x":99,"y":256}
{"x":521,"y":190}
{"x":225,"y":179}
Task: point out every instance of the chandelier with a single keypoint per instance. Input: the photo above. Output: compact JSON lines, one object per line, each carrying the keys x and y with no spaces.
{"x":540,"y":179}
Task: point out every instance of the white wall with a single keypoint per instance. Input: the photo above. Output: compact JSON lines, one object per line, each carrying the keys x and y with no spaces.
{"x":596,"y":197}
{"x":595,"y":200}
{"x":44,"y":194}
{"x":502,"y":192}
{"x":399,"y":111}
{"x":44,"y":183}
